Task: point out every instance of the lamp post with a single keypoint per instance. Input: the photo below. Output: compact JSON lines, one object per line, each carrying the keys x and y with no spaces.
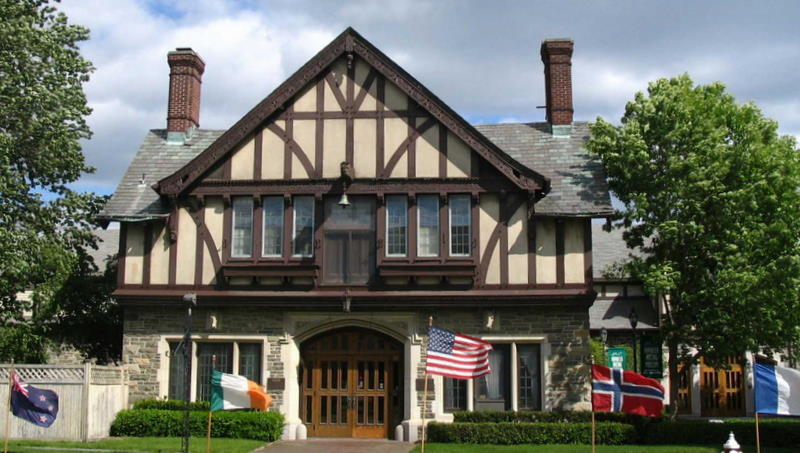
{"x":633,"y":317}
{"x":604,"y":339}
{"x":190,"y":299}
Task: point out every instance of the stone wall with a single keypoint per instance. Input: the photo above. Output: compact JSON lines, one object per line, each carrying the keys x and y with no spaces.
{"x":144,"y":326}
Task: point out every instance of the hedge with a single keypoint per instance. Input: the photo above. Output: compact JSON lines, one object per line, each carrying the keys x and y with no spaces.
{"x":775,"y":432}
{"x":266,"y":426}
{"x":171,"y":405}
{"x":505,"y":433}
{"x":549,"y":417}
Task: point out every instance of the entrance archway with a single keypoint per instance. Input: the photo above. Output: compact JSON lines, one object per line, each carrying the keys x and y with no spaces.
{"x":351,"y":382}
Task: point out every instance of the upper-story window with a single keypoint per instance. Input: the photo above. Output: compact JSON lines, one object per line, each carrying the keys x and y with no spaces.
{"x":303,"y":237}
{"x":242,"y":240}
{"x":428,"y":225}
{"x":396,"y":225}
{"x":460,"y":225}
{"x":273,"y":227}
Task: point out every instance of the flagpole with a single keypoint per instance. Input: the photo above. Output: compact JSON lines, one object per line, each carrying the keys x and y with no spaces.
{"x":208,"y":430}
{"x":425,"y":389}
{"x":758,"y":438}
{"x":594,"y":429}
{"x":8,"y":414}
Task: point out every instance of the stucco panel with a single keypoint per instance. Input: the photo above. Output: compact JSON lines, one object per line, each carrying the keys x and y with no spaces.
{"x":334,"y":148}
{"x":573,"y":251}
{"x":304,"y":134}
{"x":545,"y":250}
{"x":159,"y":256}
{"x":242,"y":161}
{"x":395,"y":131}
{"x":187,"y":245}
{"x":370,"y":100}
{"x":134,"y":253}
{"x":364,"y":154}
{"x":489,"y":216}
{"x":427,"y":152}
{"x":395,"y":99}
{"x":272,"y":150}
{"x":518,"y":246}
{"x":459,"y":161}
{"x":214,"y":221}
{"x":306,"y":101}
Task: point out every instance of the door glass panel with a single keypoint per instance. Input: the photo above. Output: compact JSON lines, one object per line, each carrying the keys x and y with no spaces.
{"x":371,"y":376}
{"x":360,"y":375}
{"x":334,"y":408}
{"x":334,"y":375}
{"x":381,"y":375}
{"x":324,"y":374}
{"x":308,"y":408}
{"x":343,"y":409}
{"x":360,"y":410}
{"x":380,"y":409}
{"x":344,"y":369}
{"x":371,"y":410}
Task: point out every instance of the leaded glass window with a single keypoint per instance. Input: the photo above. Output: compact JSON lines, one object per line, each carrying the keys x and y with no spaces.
{"x":528,"y":358}
{"x":303,"y":226}
{"x":428,"y":230}
{"x":206,"y":353}
{"x":396,"y":225}
{"x":273,"y":227}
{"x":460,"y":225}
{"x":250,"y":361}
{"x":242,"y":241}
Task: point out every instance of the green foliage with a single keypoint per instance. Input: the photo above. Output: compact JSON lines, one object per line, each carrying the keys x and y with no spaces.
{"x":600,"y":356}
{"x":171,"y":405}
{"x":266,"y":426}
{"x":44,"y":118}
{"x":774,"y":432}
{"x":506,"y":433}
{"x":710,"y":196}
{"x":21,"y":343}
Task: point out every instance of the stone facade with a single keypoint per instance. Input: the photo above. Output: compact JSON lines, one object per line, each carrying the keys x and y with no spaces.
{"x":561,"y":330}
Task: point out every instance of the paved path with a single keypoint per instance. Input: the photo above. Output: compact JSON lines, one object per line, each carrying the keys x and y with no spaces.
{"x":336,"y":446}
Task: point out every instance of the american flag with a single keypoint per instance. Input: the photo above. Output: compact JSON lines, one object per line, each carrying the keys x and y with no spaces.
{"x":455,"y":355}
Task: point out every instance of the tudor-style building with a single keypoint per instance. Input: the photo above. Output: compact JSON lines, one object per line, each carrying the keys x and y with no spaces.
{"x":323,"y":229}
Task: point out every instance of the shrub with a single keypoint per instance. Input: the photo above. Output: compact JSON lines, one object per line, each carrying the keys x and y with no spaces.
{"x":505,"y":433}
{"x":171,"y":405}
{"x":266,"y":426}
{"x":775,"y":432}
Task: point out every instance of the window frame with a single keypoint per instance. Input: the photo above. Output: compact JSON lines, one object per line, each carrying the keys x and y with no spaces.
{"x":450,"y":199}
{"x":405,"y":254}
{"x":294,"y":225}
{"x":438,"y":225}
{"x":282,"y":226}
{"x":233,"y":254}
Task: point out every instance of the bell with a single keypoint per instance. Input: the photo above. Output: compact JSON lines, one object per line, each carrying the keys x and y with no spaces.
{"x":344,"y":202}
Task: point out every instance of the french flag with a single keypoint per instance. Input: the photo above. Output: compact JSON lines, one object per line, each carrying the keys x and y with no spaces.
{"x":777,"y":390}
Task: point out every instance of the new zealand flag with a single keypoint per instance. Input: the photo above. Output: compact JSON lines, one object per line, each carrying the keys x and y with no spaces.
{"x":37,"y":406}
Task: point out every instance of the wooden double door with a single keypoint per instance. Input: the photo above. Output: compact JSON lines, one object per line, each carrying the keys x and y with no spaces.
{"x":351,"y":384}
{"x":721,"y":390}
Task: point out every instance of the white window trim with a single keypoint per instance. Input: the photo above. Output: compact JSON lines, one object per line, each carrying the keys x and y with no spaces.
{"x":264,"y":228}
{"x":233,"y":226}
{"x":438,"y":224}
{"x":386,"y":239}
{"x":294,"y":225}
{"x":450,"y":225}
{"x":164,"y":368}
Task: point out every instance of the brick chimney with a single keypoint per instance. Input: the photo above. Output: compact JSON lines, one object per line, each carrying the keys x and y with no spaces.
{"x":557,"y":59}
{"x":185,"y":77}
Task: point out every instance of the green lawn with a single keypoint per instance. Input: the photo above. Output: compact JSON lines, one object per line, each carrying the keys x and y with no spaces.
{"x":143,"y":444}
{"x":470,"y":448}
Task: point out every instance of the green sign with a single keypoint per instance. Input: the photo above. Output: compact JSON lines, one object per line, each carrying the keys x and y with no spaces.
{"x":617,"y":358}
{"x":652,"y":356}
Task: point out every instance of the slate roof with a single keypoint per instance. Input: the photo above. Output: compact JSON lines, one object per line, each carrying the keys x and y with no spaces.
{"x":578,"y":185}
{"x":134,"y":200}
{"x":608,"y":248}
{"x":614,"y":314}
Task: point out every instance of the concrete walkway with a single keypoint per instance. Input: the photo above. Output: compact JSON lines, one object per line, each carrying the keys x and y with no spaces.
{"x":336,"y":446}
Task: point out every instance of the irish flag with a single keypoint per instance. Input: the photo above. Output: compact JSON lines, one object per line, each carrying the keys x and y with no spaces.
{"x":230,"y":391}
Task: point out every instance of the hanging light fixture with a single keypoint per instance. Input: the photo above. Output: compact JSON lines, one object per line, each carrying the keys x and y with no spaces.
{"x":344,"y":202}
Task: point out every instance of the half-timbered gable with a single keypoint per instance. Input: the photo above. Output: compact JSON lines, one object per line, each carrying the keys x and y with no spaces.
{"x":341,"y":210}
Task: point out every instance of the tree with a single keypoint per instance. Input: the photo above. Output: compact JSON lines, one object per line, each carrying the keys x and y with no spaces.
{"x":711,"y":196}
{"x":43,"y":223}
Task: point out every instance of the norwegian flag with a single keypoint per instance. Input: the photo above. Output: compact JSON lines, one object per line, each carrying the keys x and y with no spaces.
{"x":455,"y":355}
{"x":616,"y":390}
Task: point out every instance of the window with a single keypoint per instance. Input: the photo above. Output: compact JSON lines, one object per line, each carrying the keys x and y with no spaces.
{"x":206,"y":353}
{"x":528,"y":361}
{"x":492,"y":390}
{"x":177,"y":371}
{"x":303,"y":238}
{"x":242,"y":358}
{"x":242,"y":241}
{"x":396,"y":225}
{"x":460,"y":225}
{"x":455,"y":394}
{"x":250,"y":361}
{"x":428,"y":225}
{"x":349,"y":241}
{"x":273,"y":227}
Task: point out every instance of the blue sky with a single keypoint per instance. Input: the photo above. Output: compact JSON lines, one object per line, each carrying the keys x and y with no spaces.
{"x":479,"y":57}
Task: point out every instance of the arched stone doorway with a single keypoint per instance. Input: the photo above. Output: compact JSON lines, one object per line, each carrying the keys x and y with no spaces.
{"x":351,"y":383}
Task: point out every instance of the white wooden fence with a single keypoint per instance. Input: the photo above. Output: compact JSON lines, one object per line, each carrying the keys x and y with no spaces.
{"x":89,"y":397}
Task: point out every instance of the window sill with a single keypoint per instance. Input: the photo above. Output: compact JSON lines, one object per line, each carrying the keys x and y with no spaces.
{"x":427,"y":268}
{"x":275,"y":269}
